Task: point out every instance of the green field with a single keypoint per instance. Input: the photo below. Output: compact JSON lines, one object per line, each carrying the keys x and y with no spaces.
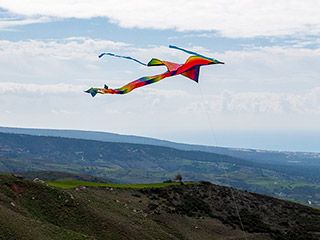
{"x":74,"y":184}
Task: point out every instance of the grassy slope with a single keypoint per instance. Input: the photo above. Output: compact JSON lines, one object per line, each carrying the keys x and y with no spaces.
{"x":26,"y":207}
{"x":195,"y":211}
{"x":37,"y":211}
{"x":267,"y":185}
{"x":74,"y":184}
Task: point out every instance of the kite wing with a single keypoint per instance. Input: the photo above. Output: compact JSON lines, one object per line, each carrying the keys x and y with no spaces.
{"x":170,"y":65}
{"x":193,"y":74}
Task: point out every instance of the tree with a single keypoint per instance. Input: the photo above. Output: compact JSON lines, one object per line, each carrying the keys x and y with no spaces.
{"x":178,"y":178}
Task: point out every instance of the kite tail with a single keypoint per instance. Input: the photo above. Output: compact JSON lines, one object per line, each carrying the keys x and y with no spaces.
{"x":93,"y":91}
{"x":194,"y":53}
{"x":143,"y":81}
{"x":130,"y":58}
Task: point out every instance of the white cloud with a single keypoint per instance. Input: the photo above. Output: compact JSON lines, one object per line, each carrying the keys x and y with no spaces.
{"x":229,"y":102}
{"x":271,"y":68}
{"x":54,"y":61}
{"x":230,"y":18}
{"x":12,"y":88}
{"x":63,"y":49}
{"x":7,"y":24}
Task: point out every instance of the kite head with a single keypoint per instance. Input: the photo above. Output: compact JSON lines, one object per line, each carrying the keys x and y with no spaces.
{"x":210,"y":60}
{"x":215,"y":61}
{"x":92,"y":91}
{"x":205,"y":60}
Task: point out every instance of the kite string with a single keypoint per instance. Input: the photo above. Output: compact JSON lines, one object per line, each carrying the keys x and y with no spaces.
{"x":225,"y":173}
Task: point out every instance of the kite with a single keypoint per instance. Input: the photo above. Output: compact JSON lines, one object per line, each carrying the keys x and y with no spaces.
{"x":189,"y":69}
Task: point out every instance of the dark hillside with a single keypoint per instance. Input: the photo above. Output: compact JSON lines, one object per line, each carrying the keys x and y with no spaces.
{"x":31,"y":210}
{"x":31,"y":152}
{"x":258,"y":213}
{"x":90,"y":153}
{"x":306,"y":159}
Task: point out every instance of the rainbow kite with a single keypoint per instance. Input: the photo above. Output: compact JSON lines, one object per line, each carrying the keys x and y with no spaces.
{"x":189,"y":69}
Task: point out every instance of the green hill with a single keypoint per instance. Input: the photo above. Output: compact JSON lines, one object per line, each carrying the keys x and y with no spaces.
{"x":30,"y":210}
{"x":137,"y":163}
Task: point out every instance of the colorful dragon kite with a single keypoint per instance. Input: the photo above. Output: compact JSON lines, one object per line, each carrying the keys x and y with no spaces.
{"x":189,"y":69}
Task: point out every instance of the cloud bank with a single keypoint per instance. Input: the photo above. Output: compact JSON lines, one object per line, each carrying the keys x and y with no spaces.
{"x":229,"y":18}
{"x":42,"y":83}
{"x":227,"y":102}
{"x":261,"y":102}
{"x":9,"y":88}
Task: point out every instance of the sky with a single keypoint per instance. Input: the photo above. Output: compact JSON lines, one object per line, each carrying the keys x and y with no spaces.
{"x":265,"y":96}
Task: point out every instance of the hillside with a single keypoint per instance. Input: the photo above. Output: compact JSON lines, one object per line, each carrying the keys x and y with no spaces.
{"x":301,"y":159}
{"x":137,"y":163}
{"x":62,"y":176}
{"x":31,"y":210}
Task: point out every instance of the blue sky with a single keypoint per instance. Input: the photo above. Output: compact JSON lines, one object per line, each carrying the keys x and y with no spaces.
{"x":266,"y":96}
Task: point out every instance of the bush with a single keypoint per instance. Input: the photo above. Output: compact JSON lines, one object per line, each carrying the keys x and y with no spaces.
{"x":168,"y":181}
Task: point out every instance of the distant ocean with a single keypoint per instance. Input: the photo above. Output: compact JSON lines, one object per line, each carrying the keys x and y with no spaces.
{"x":308,"y":141}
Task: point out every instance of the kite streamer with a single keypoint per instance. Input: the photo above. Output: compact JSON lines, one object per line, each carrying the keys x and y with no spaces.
{"x":114,"y":55}
{"x":189,"y":69}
